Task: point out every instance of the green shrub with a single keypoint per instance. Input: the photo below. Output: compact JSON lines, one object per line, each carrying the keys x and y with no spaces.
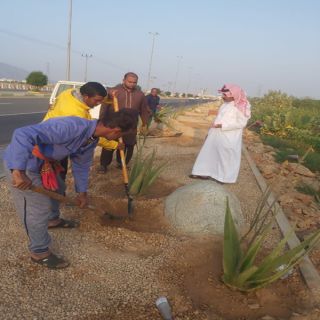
{"x":310,"y":190}
{"x":288,"y":118}
{"x":287,"y":147}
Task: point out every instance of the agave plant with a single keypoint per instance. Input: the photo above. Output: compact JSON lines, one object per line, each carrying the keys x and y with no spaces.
{"x":240,"y":269}
{"x":144,"y":171}
{"x":164,"y":114}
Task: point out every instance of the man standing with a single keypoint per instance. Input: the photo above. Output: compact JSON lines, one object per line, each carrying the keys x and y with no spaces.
{"x":129,"y":97}
{"x":220,"y":155}
{"x":153,"y":100}
{"x":76,"y":102}
{"x":32,"y":158}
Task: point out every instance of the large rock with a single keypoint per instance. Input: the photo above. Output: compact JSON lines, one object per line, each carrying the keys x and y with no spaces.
{"x":200,"y":208}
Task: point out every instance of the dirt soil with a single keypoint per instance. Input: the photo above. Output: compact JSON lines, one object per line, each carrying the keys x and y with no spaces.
{"x":120,"y":267}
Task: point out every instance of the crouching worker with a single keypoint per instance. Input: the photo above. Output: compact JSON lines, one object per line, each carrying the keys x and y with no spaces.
{"x":32,"y":158}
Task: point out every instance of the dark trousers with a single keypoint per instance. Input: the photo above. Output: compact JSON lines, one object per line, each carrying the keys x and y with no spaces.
{"x":64,"y":162}
{"x":107,"y":155}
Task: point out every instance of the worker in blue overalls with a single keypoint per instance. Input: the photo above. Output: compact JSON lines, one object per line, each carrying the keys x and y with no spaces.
{"x":32,"y":158}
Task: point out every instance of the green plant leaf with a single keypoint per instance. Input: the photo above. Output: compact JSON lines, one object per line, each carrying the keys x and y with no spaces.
{"x":264,"y":267}
{"x":231,"y":247}
{"x":288,"y":259}
{"x":241,"y":279}
{"x":144,"y":172}
{"x":252,"y":251}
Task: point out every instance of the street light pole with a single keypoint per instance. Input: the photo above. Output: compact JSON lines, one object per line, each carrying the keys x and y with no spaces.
{"x":154,"y":34}
{"x":177,"y":73}
{"x":189,"y":80}
{"x":86,"y":56}
{"x":69,"y":42}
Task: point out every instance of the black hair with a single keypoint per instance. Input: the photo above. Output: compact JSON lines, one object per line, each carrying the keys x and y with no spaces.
{"x":130,"y":74}
{"x":92,"y":89}
{"x":126,"y":119}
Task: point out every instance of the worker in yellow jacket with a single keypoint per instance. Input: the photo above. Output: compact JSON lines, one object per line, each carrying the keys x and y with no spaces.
{"x":73,"y":102}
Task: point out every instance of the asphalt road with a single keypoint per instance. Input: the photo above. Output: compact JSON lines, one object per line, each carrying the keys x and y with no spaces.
{"x":19,"y":112}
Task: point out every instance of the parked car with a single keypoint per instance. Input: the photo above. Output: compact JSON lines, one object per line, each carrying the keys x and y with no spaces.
{"x":63,"y":85}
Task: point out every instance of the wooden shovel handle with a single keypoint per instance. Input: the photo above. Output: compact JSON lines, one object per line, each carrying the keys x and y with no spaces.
{"x":122,"y":155}
{"x":64,"y":199}
{"x":54,"y":195}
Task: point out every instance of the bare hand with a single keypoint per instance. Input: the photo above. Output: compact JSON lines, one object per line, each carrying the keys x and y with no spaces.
{"x":113,"y":92}
{"x":217,"y":125}
{"x":82,"y":200}
{"x":20,"y":180}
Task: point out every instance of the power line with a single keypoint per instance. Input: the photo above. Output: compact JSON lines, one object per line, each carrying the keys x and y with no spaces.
{"x":33,"y":40}
{"x":56,"y":46}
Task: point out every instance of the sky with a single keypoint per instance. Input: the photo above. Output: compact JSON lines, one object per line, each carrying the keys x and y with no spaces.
{"x":260,"y":45}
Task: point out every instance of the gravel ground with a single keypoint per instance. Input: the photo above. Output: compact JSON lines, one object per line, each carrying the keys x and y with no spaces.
{"x":115,"y":273}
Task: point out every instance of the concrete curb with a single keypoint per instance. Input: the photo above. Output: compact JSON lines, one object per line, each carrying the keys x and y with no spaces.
{"x":309,"y":272}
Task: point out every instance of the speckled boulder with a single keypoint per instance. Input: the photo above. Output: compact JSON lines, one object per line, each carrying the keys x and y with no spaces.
{"x":200,"y":208}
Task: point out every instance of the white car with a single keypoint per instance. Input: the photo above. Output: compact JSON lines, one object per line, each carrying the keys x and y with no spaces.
{"x":63,"y":85}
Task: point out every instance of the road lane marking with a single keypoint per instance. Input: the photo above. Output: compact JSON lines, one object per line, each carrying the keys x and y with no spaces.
{"x":6,"y":102}
{"x":21,"y":114}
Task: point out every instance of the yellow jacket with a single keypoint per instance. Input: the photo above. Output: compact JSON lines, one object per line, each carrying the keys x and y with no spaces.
{"x":67,"y":105}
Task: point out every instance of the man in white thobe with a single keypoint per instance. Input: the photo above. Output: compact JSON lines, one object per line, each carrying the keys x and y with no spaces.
{"x":220,"y":155}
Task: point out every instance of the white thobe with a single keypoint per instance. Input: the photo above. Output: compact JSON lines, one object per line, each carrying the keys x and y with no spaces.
{"x":220,"y":155}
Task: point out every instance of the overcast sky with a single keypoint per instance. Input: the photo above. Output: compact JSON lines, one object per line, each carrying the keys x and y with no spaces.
{"x":259,"y":44}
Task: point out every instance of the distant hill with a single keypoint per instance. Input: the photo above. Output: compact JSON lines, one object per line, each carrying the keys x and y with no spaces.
{"x":10,"y":72}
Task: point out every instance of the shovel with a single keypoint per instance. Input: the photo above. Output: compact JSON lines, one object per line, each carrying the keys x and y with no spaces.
{"x":123,"y":164}
{"x":71,"y":201}
{"x":63,"y":199}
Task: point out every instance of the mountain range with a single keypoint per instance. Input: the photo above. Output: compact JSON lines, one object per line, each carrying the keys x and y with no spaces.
{"x":11,"y":72}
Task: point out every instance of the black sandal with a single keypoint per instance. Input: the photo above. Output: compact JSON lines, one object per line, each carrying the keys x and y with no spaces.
{"x":193,"y":176}
{"x":52,"y":262}
{"x":66,"y":224}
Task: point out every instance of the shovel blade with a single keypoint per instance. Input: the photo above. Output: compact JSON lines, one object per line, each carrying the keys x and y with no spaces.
{"x":130,"y":206}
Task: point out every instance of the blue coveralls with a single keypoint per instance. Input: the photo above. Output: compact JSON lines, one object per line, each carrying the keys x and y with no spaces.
{"x":57,"y":138}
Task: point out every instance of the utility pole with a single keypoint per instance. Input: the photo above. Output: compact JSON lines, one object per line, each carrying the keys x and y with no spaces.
{"x":86,"y":56}
{"x":69,"y":41}
{"x":177,"y":73}
{"x":154,"y":34}
{"x":189,"y":80}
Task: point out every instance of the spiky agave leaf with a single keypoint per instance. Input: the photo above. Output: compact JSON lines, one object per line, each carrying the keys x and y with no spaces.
{"x":144,"y":172}
{"x":264,"y":268}
{"x":135,"y":185}
{"x":239,"y":269}
{"x":253,"y":249}
{"x":153,"y":174}
{"x":231,"y":248}
{"x":289,"y":259}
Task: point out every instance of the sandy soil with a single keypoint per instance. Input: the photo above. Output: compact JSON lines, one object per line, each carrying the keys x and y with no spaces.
{"x":120,"y":267}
